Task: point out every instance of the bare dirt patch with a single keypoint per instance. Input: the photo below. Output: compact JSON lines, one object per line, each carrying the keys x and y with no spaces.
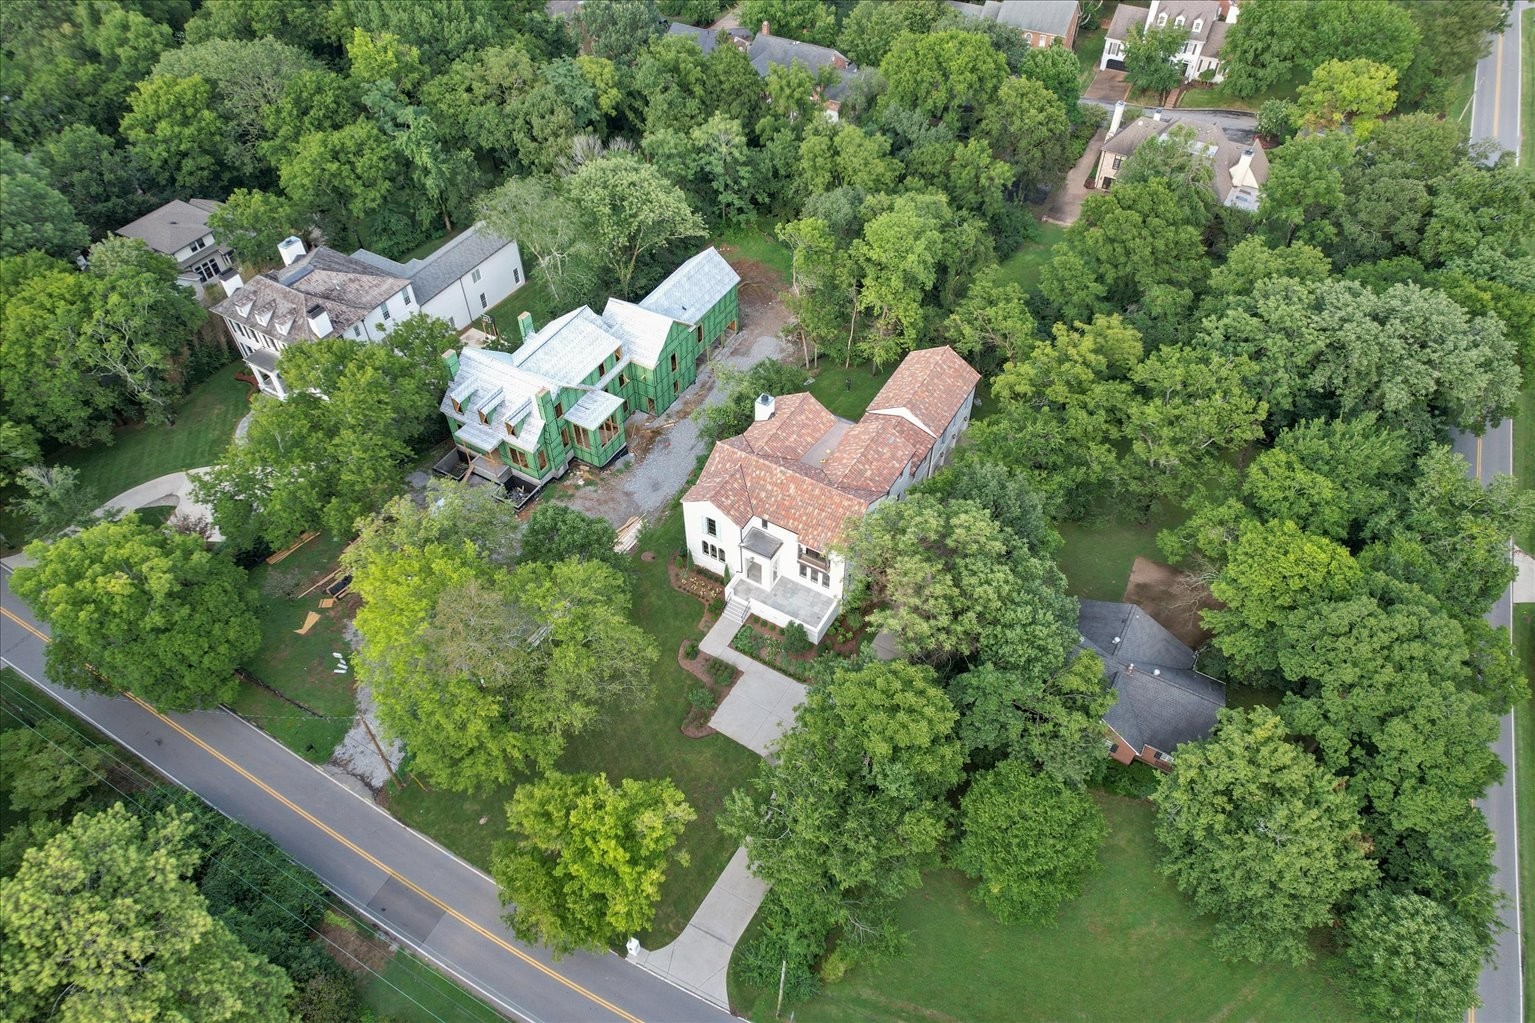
{"x":358,"y":954}
{"x":1174,"y":598}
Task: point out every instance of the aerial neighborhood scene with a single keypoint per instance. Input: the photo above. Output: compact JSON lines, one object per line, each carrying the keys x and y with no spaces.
{"x":666,"y":511}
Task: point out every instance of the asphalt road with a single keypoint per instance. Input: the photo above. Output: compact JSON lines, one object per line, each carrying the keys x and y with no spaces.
{"x":1495,"y":118}
{"x":430,"y":900}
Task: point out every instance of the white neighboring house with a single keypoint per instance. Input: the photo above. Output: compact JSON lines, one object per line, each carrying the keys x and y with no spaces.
{"x":324,"y":293}
{"x":1206,"y":20}
{"x":771,"y":504}
{"x":179,"y":229}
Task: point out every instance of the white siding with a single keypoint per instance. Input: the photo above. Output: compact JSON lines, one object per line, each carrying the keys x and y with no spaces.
{"x":500,"y":275}
{"x":375,"y":326}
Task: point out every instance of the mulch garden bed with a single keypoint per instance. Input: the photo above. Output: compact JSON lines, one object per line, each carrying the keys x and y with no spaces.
{"x":706,"y":588}
{"x":704,"y":668}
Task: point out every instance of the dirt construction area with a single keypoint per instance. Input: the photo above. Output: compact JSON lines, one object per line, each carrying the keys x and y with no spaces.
{"x":1173,"y":598}
{"x":663,"y":450}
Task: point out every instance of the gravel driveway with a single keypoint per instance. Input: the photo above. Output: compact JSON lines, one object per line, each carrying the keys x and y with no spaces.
{"x":653,"y":480}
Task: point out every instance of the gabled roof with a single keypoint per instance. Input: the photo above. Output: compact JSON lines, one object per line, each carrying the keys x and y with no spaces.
{"x":429,"y":277}
{"x":1161,"y":700}
{"x":706,"y":38}
{"x":1206,"y":12}
{"x":875,"y":453}
{"x":1126,"y":18}
{"x":1055,"y":17}
{"x":930,"y":383}
{"x":567,"y":349}
{"x":643,"y":332}
{"x":767,"y":49}
{"x":1225,"y":156}
{"x":173,"y":226}
{"x":693,"y":288}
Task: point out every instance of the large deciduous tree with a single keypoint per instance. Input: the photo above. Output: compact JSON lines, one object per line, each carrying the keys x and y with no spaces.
{"x":1353,"y":92}
{"x":1260,"y":836}
{"x":1409,"y":958}
{"x":174,"y":132}
{"x":1028,"y":841}
{"x":101,"y":922}
{"x":635,"y":216}
{"x":945,"y":76}
{"x":37,"y":216}
{"x":149,"y":610}
{"x":547,"y":227}
{"x":1149,"y":58}
{"x":588,"y":859}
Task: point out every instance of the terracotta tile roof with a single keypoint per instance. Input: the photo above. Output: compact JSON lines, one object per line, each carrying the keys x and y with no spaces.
{"x":743,"y":484}
{"x":798,"y":421}
{"x":876,"y":453}
{"x":932,"y":384}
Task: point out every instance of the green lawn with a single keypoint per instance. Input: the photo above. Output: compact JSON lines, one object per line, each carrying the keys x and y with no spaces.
{"x":1131,"y":948}
{"x":1097,"y":557}
{"x":847,"y":392}
{"x":1090,"y":51}
{"x":300,"y":667}
{"x":205,"y":424}
{"x":643,"y":740}
{"x":754,"y":240}
{"x":533,"y":298}
{"x":1024,"y":265}
{"x":1527,"y":90}
{"x":1216,"y":97}
{"x":411,"y":991}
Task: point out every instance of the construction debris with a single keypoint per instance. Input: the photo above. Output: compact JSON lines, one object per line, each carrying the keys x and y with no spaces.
{"x":628,"y":534}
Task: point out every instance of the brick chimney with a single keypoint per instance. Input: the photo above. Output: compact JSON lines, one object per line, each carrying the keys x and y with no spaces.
{"x":765,"y":30}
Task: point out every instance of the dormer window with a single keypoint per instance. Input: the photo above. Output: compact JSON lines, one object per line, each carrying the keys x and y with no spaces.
{"x":1178,"y":23}
{"x":511,"y":429}
{"x":201,"y":243}
{"x":1162,"y":19}
{"x":483,"y":420}
{"x":618,"y":355}
{"x":1199,"y":23}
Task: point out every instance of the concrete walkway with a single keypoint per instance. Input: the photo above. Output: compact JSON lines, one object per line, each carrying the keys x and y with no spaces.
{"x":699,"y":959}
{"x":173,"y":488}
{"x":762,"y":705}
{"x":1524,"y":582}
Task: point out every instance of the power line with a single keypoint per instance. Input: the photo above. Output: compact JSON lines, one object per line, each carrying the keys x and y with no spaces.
{"x":287,"y":868}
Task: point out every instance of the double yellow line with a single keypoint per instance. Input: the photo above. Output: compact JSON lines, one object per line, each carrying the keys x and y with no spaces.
{"x":363,"y":853}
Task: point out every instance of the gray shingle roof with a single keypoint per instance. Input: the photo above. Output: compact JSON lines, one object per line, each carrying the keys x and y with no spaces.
{"x":1054,"y":17}
{"x":346,"y":288}
{"x":767,"y":50}
{"x":706,"y":38}
{"x":428,"y":277}
{"x":693,"y":288}
{"x":1162,"y":700}
{"x":173,"y":226}
{"x":1223,"y":153}
{"x":1125,"y":18}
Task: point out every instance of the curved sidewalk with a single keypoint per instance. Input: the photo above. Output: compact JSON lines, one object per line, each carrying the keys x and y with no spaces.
{"x":174,"y":488}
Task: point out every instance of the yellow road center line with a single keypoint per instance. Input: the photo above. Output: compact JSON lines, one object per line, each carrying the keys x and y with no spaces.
{"x":363,"y":853}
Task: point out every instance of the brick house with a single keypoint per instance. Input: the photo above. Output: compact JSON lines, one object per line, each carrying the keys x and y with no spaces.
{"x":771,"y":504}
{"x":1041,"y":22}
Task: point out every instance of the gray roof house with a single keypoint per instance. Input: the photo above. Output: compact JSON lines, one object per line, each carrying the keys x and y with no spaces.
{"x":1162,"y":700}
{"x":766,"y":50}
{"x":708,"y":38}
{"x":179,"y":229}
{"x":429,"y":277}
{"x":1238,"y":170}
{"x":1042,"y":22}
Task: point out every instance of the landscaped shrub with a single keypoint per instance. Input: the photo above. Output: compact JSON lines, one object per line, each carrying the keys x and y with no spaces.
{"x":723,"y":672}
{"x":690,"y":649}
{"x":716,"y":606}
{"x":701,"y":697}
{"x":796,"y":640}
{"x":748,"y":640}
{"x":1135,"y":780}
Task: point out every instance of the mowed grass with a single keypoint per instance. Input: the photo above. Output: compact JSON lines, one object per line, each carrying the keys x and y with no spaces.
{"x":1024,"y":266}
{"x":1097,"y":557}
{"x":847,"y":392}
{"x":1217,"y":98}
{"x":412,"y":991}
{"x":1524,"y":781}
{"x":533,"y":297}
{"x":638,"y":740}
{"x":205,"y":425}
{"x":1131,"y":948}
{"x":754,"y":240}
{"x":300,"y":667}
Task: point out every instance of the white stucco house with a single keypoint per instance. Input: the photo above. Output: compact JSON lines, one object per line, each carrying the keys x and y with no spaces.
{"x":772,"y":504}
{"x":325,"y":293}
{"x":1206,"y":21}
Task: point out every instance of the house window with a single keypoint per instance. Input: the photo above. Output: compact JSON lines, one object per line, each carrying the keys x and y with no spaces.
{"x":1178,"y":22}
{"x":458,"y":406}
{"x":565,"y":436}
{"x":650,"y":405}
{"x":711,"y":551}
{"x":474,"y":276}
{"x":559,"y":410}
{"x":1161,"y":19}
{"x":1028,"y":37}
{"x":357,"y":330}
{"x":674,"y":384}
{"x":384,"y":311}
{"x":583,"y":439}
{"x":623,"y":380}
{"x":674,"y":362}
{"x":711,"y":527}
{"x":1199,"y":23}
{"x":543,"y":460}
{"x":815,"y":575}
{"x":511,"y":429}
{"x":482,"y":417}
{"x":516,"y":276}
{"x":406,"y":293}
{"x":201,"y":243}
{"x":518,"y":458}
{"x":607,"y":430}
{"x":483,"y":303}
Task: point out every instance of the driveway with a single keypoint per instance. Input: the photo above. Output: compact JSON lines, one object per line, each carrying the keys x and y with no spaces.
{"x":1108,"y":86}
{"x":1065,"y":204}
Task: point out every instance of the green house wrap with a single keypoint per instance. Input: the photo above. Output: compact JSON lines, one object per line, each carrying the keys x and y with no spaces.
{"x":567,"y":392}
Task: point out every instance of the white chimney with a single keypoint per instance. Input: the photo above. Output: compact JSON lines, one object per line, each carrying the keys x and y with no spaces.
{"x":1231,"y":14}
{"x":291,"y":249}
{"x":1156,"y":115}
{"x":319,"y":320}
{"x":1119,"y":115}
{"x":1242,"y":171}
{"x":232,"y":281}
{"x":764,"y":407}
